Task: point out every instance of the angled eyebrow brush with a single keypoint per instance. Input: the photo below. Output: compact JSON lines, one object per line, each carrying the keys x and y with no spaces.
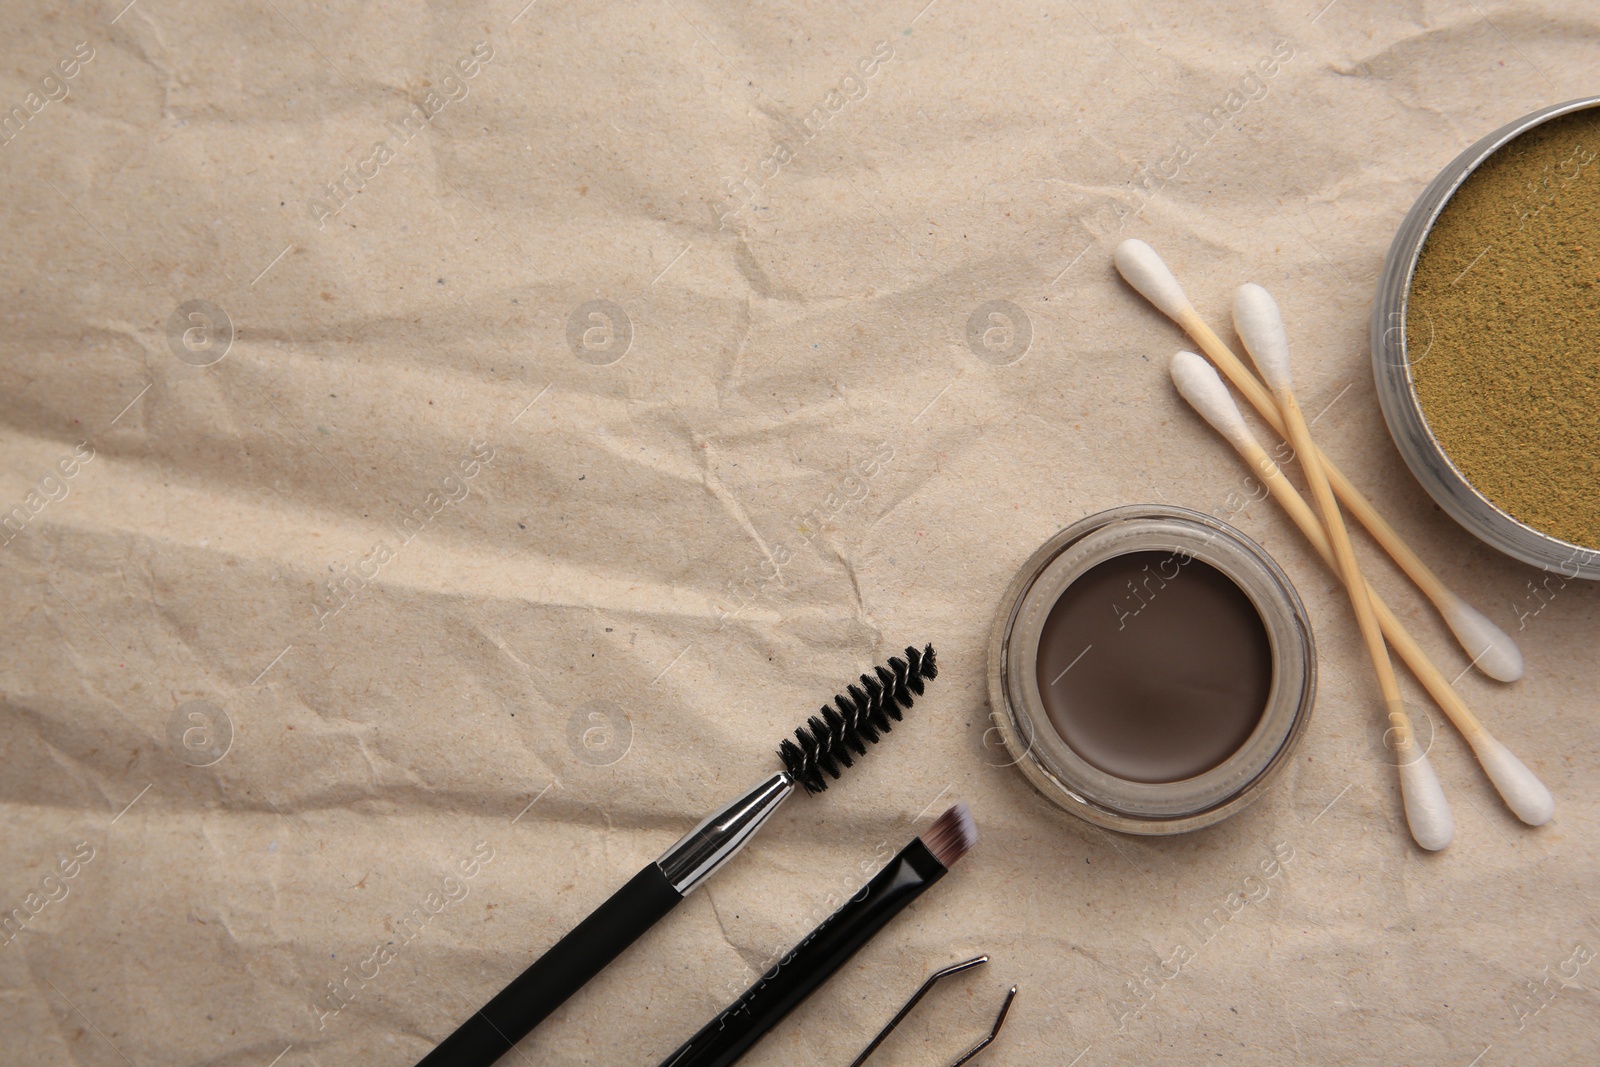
{"x":800,"y":971}
{"x":829,"y":741}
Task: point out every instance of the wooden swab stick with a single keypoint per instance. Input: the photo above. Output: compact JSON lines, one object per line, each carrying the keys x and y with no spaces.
{"x":1521,"y":789}
{"x":1493,"y":652}
{"x":1260,"y":327}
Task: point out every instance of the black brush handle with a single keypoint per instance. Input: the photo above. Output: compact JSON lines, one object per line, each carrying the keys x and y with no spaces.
{"x":813,"y":961}
{"x":556,"y":975}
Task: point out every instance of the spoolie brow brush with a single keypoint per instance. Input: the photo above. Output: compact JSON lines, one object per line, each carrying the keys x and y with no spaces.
{"x":829,"y":741}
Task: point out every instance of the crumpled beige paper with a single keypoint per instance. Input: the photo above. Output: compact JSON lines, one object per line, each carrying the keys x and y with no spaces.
{"x":448,"y":447}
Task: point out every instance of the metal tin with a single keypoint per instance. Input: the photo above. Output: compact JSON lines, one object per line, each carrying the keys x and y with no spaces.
{"x":1397,"y":392}
{"x":1066,"y":778}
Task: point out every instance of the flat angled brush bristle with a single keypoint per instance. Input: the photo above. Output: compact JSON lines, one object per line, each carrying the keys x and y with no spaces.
{"x":853,"y":722}
{"x":952,"y":835}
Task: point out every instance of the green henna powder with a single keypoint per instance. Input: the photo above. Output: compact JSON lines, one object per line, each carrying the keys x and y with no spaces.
{"x":1503,"y":328}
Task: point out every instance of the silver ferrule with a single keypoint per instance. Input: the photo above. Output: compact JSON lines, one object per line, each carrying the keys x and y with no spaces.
{"x":722,"y":834}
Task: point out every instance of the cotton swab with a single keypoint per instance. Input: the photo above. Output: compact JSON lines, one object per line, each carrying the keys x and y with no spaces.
{"x":1521,"y":789}
{"x":1493,"y":651}
{"x":1260,"y":327}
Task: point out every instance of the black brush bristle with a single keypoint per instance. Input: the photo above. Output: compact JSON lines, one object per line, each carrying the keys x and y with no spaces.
{"x":952,"y":835}
{"x":824,"y":743}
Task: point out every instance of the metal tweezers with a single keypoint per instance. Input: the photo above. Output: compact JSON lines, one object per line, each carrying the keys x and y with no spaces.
{"x":955,"y":968}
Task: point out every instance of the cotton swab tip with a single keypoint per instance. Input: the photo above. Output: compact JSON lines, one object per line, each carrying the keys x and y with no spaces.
{"x":1260,"y":326}
{"x":1491,"y":648}
{"x":1521,"y":789}
{"x":1143,"y":269}
{"x":1427,"y":810}
{"x":1202,"y":387}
